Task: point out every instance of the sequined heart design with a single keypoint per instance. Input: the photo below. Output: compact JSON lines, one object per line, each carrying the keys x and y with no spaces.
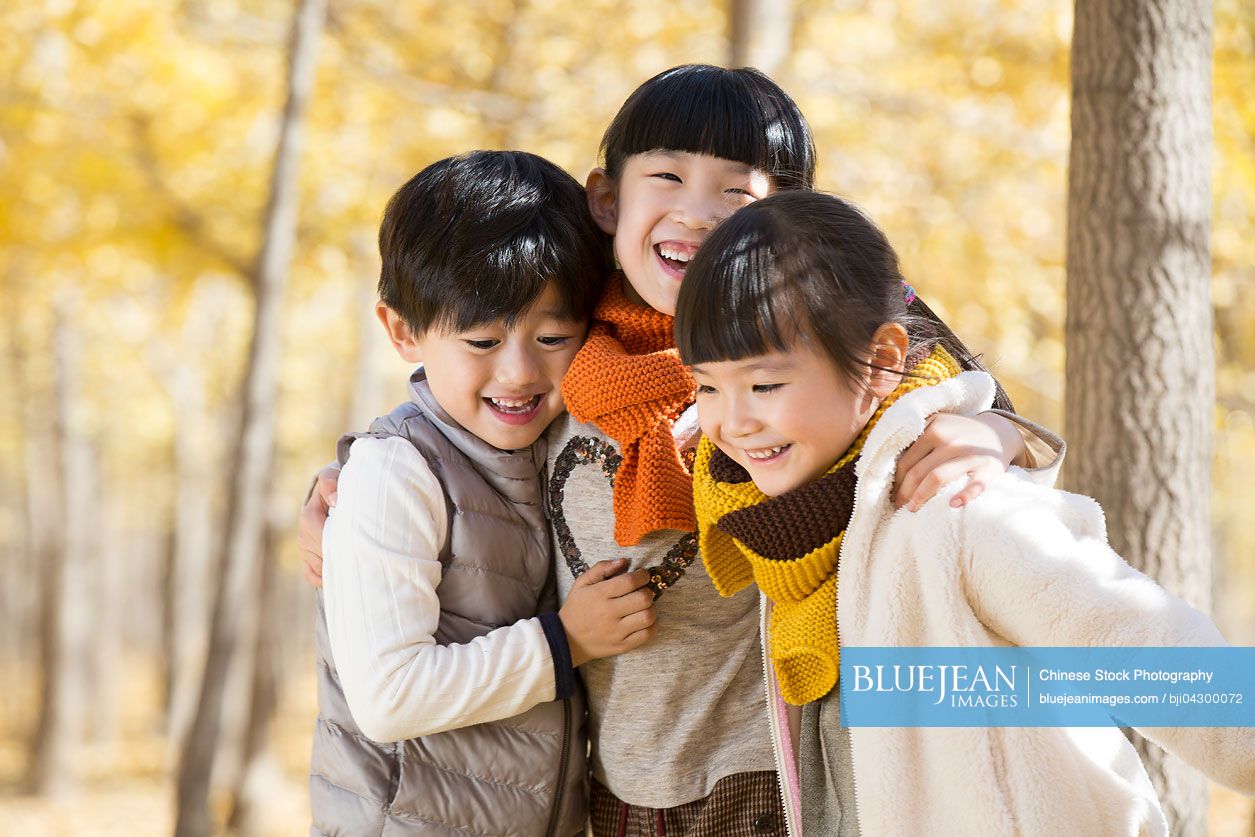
{"x":588,"y":450}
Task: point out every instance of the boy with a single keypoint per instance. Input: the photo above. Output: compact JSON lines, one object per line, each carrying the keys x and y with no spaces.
{"x":436,"y":629}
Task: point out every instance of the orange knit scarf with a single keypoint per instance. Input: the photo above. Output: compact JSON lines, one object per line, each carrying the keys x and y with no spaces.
{"x":628,"y":380}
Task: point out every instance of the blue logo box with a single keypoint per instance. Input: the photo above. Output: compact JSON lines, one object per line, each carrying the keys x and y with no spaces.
{"x":1047,"y":687}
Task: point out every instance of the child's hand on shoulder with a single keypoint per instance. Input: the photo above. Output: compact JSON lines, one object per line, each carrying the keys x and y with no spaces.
{"x":313,"y":515}
{"x":608,"y":612}
{"x":982,"y":447}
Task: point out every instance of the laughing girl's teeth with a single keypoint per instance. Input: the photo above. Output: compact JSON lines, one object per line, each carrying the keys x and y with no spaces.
{"x":766,"y":453}
{"x":674,"y":255}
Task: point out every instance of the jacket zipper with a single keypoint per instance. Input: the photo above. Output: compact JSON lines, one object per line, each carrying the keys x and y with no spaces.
{"x":777,"y":748}
{"x":844,"y":544}
{"x":562,"y":767}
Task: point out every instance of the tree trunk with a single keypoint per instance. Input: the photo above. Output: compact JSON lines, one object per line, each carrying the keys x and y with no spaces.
{"x":760,"y":34}
{"x":259,"y":773}
{"x":233,"y":628}
{"x":1140,"y":372}
{"x":188,"y":572}
{"x":111,"y":592}
{"x":66,"y":617}
{"x":18,"y":561}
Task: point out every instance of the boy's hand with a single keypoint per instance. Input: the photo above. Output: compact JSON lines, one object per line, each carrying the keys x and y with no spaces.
{"x":607,"y":612}
{"x":313,"y":516}
{"x":982,"y":447}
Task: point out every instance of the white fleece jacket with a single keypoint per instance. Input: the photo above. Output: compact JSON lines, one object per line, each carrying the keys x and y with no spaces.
{"x":1021,"y":565}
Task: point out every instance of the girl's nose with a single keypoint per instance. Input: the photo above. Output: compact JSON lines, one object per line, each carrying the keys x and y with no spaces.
{"x":738,"y":420}
{"x":700,"y":212}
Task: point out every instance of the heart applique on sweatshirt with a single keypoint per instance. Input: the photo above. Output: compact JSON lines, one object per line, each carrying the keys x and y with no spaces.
{"x":588,"y":451}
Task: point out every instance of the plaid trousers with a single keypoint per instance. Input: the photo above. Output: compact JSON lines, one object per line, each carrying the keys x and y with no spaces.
{"x":746,"y":804}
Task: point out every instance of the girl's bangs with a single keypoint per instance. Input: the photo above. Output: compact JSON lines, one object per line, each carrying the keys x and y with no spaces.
{"x":735,"y":309}
{"x":718,"y":113}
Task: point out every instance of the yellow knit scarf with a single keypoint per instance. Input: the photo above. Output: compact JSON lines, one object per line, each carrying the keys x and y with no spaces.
{"x":796,"y":539}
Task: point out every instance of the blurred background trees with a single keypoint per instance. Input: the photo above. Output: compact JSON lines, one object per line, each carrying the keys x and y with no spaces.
{"x":137,"y":150}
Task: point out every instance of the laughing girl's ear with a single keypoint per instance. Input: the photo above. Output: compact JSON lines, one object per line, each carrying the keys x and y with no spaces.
{"x":603,"y":201}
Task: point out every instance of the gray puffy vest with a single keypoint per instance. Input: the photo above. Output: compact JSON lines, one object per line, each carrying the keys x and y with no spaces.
{"x":524,"y":775}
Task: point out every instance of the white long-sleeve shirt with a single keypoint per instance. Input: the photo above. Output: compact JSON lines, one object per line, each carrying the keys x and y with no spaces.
{"x":381,"y":572}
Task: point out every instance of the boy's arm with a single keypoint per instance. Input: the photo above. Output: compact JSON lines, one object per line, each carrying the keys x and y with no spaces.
{"x":1039,"y":572}
{"x":382,"y":543}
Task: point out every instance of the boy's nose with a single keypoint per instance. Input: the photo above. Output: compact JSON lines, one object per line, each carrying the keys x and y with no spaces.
{"x":518,"y":367}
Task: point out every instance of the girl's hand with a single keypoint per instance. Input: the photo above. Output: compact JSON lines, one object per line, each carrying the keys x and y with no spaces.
{"x":313,"y":515}
{"x":982,"y":447}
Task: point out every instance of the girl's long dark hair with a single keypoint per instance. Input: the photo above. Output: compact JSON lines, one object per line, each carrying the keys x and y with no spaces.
{"x":803,"y":266}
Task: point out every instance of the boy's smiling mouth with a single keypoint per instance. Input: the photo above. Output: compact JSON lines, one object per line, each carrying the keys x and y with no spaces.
{"x":674,"y":256}
{"x":515,"y":410}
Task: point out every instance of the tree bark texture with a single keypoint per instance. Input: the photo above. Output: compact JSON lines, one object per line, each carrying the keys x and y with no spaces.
{"x":760,"y":34}
{"x":235,"y":619}
{"x":1140,"y":370}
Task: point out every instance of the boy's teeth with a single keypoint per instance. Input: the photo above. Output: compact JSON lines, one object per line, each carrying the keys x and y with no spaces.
{"x":513,"y":403}
{"x":765,"y":454}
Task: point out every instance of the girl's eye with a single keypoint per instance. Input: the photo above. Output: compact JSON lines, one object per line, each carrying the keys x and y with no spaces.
{"x":703,"y":389}
{"x":554,"y":340}
{"x":764,"y":388}
{"x":666,"y":175}
{"x":485,"y":344}
{"x":738,"y":191}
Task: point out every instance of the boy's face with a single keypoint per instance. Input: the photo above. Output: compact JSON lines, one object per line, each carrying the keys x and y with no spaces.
{"x":785,"y":417}
{"x":501,"y":384}
{"x":662,"y":208}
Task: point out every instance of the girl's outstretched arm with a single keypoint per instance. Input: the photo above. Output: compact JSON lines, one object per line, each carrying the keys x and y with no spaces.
{"x":1038,"y":572}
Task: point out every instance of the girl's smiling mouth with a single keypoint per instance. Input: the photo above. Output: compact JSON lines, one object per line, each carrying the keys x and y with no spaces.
{"x":674,"y":257}
{"x":764,"y":456}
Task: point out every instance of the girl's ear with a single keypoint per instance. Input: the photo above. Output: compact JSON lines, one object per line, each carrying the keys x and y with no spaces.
{"x":888,"y":351}
{"x":603,"y":202}
{"x":399,"y":332}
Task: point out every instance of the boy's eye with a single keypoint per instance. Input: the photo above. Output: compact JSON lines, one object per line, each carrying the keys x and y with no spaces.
{"x":554,"y":339}
{"x":486,"y":343}
{"x":762,"y":388}
{"x":704,"y":389}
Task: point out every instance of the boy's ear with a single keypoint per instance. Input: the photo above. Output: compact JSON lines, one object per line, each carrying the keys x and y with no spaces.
{"x":888,"y":351}
{"x":603,"y":203}
{"x":399,"y":332}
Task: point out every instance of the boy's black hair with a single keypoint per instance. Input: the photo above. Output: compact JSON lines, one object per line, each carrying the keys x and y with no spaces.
{"x":803,"y":266}
{"x":476,"y":238}
{"x":737,"y":114}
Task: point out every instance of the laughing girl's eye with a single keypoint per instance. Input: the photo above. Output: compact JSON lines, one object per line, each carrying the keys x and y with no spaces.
{"x":704,"y":389}
{"x":764,"y":388}
{"x":666,"y":175}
